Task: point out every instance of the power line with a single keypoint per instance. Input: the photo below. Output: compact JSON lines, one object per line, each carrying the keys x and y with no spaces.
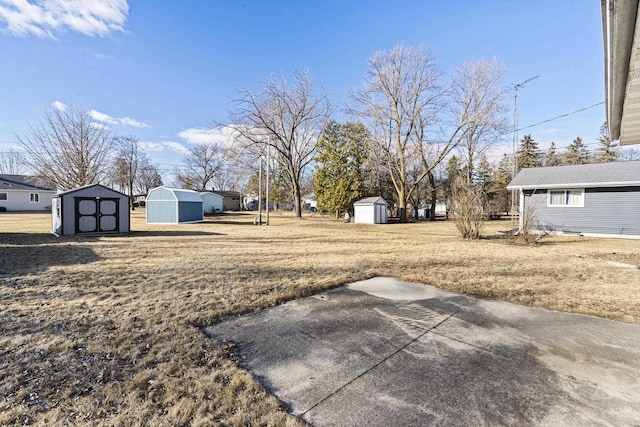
{"x":561,"y":116}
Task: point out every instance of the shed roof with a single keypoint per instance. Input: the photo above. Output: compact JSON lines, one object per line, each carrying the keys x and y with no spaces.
{"x":615,"y":174}
{"x":73,"y":190}
{"x":181,"y":194}
{"x":23,"y":182}
{"x":370,"y":201}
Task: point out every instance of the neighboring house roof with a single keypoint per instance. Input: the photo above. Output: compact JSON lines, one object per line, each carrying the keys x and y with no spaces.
{"x":89,"y":186}
{"x":210,"y":193}
{"x":227,"y":193}
{"x":23,"y":182}
{"x":371,"y":201}
{"x":310,"y":196}
{"x":614,"y":174}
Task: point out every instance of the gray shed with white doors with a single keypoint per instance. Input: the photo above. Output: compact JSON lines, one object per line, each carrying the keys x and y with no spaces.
{"x":213,"y":203}
{"x":93,"y":209}
{"x":173,"y":206}
{"x":593,"y":199}
{"x":372,"y":210}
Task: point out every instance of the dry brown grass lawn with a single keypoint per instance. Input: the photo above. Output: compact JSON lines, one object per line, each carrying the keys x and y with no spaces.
{"x":105,"y":330}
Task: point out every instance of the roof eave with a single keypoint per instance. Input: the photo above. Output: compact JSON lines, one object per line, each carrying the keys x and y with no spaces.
{"x":575,"y":185}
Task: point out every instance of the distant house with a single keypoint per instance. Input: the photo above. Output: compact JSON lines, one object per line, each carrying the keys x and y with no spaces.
{"x":425,"y":211}
{"x":231,"y":200}
{"x":372,"y":210}
{"x":309,"y":202}
{"x":93,"y":209}
{"x":24,"y":193}
{"x":173,"y":206}
{"x":593,"y":199}
{"x":213,"y":203}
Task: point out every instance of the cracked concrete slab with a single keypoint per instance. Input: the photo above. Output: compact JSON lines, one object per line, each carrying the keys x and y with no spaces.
{"x":384,"y":352}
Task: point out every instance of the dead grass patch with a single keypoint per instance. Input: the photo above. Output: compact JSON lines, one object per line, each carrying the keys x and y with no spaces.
{"x":105,"y":330}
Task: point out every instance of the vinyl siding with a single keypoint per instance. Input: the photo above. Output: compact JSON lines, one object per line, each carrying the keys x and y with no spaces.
{"x":161,"y":212}
{"x":19,"y":200}
{"x":605,"y":211}
{"x":190,"y":211}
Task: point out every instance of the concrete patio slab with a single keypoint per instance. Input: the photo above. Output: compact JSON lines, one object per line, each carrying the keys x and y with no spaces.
{"x":382,"y":352}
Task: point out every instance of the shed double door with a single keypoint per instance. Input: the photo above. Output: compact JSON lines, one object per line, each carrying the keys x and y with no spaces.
{"x":96,"y":214}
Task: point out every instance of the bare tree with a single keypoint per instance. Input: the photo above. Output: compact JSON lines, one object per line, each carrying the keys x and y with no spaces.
{"x":68,"y":148}
{"x":147,"y":178}
{"x":201,"y":165}
{"x":127,"y":165}
{"x":629,"y":154}
{"x":11,"y":162}
{"x":476,"y":86}
{"x":401,"y":100}
{"x":289,"y":118}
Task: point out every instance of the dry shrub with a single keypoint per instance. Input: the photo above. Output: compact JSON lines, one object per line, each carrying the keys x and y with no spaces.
{"x":468,"y":203}
{"x":527,"y":235}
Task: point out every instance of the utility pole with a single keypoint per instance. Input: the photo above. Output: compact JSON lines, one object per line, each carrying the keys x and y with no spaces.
{"x":514,"y":195}
{"x":268,"y":164}
{"x":260,"y":192}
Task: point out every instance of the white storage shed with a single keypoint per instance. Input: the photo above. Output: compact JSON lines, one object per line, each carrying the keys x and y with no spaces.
{"x":372,"y":210}
{"x":213,"y":203}
{"x":93,"y":209}
{"x":173,"y":206}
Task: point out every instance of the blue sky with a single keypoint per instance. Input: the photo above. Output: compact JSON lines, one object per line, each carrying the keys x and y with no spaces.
{"x":166,"y":71}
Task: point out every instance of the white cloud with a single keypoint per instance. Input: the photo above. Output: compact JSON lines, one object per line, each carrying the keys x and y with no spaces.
{"x":59,"y":106}
{"x":164,"y":145}
{"x":176,"y":146}
{"x":222,"y":135}
{"x":128,"y":121}
{"x":124,"y":121}
{"x":43,"y":18}
{"x":151,"y":146}
{"x":101,"y":117}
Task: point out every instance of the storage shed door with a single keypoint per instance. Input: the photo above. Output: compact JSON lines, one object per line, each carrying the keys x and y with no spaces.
{"x":96,"y":215}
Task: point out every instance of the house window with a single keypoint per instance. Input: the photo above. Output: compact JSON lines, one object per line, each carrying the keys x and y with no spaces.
{"x":3,"y":196}
{"x":572,"y":198}
{"x":34,"y":197}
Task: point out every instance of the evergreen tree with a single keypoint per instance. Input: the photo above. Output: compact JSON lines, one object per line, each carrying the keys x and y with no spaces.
{"x":577,"y":153}
{"x":607,"y":150}
{"x":552,"y":158}
{"x":339,"y":180}
{"x":499,"y":196}
{"x":528,"y":155}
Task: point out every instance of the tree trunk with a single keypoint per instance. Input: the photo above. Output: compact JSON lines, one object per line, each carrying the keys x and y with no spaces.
{"x":297,"y":203}
{"x":402,"y":206}
{"x":432,"y":184}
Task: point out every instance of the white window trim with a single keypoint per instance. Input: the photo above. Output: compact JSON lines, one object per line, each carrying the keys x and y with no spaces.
{"x":33,"y":196}
{"x":579,"y":205}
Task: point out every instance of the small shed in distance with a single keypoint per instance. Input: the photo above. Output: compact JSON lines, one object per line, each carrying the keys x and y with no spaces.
{"x":231,"y":200}
{"x":372,"y":210}
{"x":213,"y":203}
{"x":173,"y":206}
{"x":93,"y":209}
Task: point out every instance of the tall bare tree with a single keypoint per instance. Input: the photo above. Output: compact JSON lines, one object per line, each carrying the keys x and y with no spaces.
{"x":412,"y":116}
{"x":68,"y":148}
{"x":147,"y":178}
{"x":127,"y":165}
{"x":200,"y":166}
{"x":11,"y":162}
{"x":477,"y":87}
{"x":288,"y":117}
